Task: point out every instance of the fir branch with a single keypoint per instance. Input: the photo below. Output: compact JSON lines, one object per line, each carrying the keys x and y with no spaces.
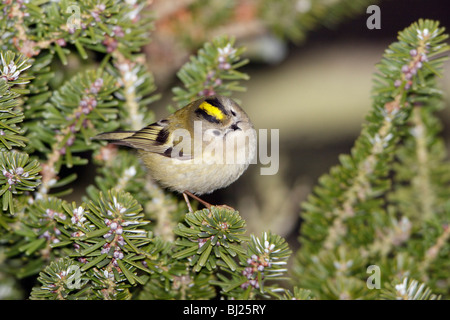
{"x":19,"y":175}
{"x":136,"y":82}
{"x":114,"y":221}
{"x":409,"y":289}
{"x":118,"y":169}
{"x":268,"y":260}
{"x":43,"y":231}
{"x":11,"y":68}
{"x":265,"y":260}
{"x":121,"y":170}
{"x":382,"y":138}
{"x":136,"y":93}
{"x":212,"y":71}
{"x":108,"y":238}
{"x":423,"y":180}
{"x":181,"y":287}
{"x":348,"y":206}
{"x":57,"y":281}
{"x":82,"y":104}
{"x":105,"y":248}
{"x":393,"y":234}
{"x":40,"y":93}
{"x":212,"y":238}
{"x":136,"y":86}
{"x":16,"y":11}
{"x":433,"y":252}
{"x":100,"y":26}
{"x":421,"y":173}
{"x":164,"y":208}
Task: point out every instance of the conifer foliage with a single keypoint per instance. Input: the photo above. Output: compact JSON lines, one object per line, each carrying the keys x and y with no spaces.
{"x":127,"y":238}
{"x":386,"y":204}
{"x":70,"y":70}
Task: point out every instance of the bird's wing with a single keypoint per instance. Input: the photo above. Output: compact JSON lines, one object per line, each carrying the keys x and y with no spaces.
{"x":153,"y":138}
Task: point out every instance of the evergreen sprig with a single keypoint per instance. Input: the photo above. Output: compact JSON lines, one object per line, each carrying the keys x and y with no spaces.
{"x":135,"y":93}
{"x":348,"y":208}
{"x":37,"y":238}
{"x":60,"y":280}
{"x":11,"y":77}
{"x":118,"y":170}
{"x":75,"y":112}
{"x":108,"y":235}
{"x":44,"y":230}
{"x":215,"y":239}
{"x":409,"y":289}
{"x":211,"y":238}
{"x":182,"y":285}
{"x":212,"y":71}
{"x":19,"y":174}
{"x":102,"y":26}
{"x":105,"y":246}
{"x":107,"y":238}
{"x":116,"y":30}
{"x":265,"y":260}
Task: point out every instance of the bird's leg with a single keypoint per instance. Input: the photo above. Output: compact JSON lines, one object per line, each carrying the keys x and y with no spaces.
{"x":206,"y":204}
{"x":193,"y":196}
{"x":186,"y":198}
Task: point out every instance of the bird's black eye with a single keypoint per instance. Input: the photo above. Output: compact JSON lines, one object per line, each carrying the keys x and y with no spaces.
{"x":233,"y":113}
{"x":234,"y":126}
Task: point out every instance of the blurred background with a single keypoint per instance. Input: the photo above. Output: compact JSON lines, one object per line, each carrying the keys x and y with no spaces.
{"x":312,"y":83}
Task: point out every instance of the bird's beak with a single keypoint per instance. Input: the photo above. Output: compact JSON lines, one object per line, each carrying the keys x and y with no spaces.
{"x":235,"y":126}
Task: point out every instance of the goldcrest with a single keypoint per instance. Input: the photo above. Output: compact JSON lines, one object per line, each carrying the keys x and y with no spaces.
{"x":205,"y":146}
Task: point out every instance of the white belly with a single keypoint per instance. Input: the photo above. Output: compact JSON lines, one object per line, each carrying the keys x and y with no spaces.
{"x":198,"y":177}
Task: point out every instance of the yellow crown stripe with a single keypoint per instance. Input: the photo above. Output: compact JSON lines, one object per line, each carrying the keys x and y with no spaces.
{"x":212,"y":110}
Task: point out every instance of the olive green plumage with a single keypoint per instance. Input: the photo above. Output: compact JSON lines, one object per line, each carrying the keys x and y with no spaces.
{"x":204,"y":146}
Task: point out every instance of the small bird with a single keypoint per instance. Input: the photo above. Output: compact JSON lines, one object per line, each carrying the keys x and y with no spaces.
{"x":204,"y":146}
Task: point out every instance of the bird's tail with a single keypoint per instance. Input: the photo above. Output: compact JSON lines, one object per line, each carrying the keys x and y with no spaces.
{"x":115,"y":137}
